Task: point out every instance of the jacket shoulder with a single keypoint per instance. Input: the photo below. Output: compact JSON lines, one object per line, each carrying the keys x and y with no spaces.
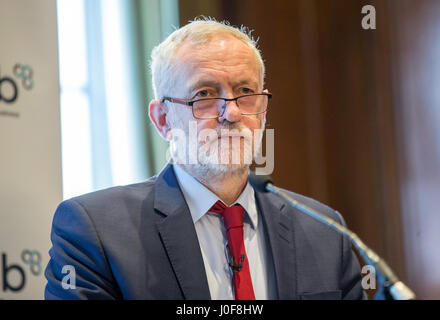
{"x":117,"y":193}
{"x":106,"y":206}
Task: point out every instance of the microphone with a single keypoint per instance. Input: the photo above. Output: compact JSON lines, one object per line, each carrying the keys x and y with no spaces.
{"x":259,"y":182}
{"x":394,"y":289}
{"x":236,"y":267}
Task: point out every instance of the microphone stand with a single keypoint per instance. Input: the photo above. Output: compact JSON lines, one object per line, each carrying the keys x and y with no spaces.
{"x":393,"y":288}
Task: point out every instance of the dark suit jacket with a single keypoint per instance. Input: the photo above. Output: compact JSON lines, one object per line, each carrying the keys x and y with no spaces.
{"x":139,"y":242}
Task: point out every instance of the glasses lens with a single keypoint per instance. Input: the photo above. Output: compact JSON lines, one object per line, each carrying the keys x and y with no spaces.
{"x":211,"y":108}
{"x":252,"y":103}
{"x":207,"y":108}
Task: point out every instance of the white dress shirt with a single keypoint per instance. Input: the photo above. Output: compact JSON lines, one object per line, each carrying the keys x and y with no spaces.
{"x":211,"y":233}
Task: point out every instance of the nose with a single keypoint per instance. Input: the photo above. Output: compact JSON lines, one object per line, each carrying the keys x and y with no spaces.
{"x":231,"y":112}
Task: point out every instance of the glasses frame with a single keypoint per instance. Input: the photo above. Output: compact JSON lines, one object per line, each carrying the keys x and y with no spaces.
{"x":226,"y":100}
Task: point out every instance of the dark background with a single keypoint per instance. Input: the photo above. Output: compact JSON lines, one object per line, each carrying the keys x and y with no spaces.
{"x":356,"y":116}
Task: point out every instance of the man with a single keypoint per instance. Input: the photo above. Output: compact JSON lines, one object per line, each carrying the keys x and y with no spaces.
{"x":198,"y":230}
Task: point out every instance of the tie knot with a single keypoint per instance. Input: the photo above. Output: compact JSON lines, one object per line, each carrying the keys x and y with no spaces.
{"x":233,"y":216}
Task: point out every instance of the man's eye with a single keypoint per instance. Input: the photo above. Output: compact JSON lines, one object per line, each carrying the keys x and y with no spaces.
{"x":246,"y":91}
{"x":202,"y":93}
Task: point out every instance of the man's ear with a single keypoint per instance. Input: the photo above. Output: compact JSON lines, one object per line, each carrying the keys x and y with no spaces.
{"x":265,"y":114}
{"x":158,"y":112}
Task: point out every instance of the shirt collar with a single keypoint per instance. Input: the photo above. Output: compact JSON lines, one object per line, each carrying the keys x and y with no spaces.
{"x":200,"y":199}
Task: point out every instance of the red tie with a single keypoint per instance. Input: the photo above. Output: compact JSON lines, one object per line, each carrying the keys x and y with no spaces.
{"x":233,"y":218}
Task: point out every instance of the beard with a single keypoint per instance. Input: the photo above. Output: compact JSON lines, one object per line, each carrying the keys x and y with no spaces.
{"x":228,"y":149}
{"x":225,"y":150}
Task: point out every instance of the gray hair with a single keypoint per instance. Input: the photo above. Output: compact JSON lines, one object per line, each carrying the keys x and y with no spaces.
{"x":199,"y":31}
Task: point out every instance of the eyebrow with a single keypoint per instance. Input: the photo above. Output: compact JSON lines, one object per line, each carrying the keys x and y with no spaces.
{"x":216,"y":84}
{"x":204,"y":83}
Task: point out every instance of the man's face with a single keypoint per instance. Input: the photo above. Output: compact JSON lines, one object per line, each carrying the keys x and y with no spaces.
{"x":224,"y":67}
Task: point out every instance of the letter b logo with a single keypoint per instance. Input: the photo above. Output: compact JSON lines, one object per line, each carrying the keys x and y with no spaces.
{"x":8,"y":274}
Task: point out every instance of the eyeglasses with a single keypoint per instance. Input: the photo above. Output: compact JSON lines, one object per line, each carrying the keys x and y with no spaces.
{"x":212,"y":108}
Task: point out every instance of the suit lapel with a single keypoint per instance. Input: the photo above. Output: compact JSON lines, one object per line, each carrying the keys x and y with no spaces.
{"x":279,"y":230}
{"x":179,"y":236}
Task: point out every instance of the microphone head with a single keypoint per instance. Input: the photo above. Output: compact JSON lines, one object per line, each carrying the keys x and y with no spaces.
{"x":259,"y":182}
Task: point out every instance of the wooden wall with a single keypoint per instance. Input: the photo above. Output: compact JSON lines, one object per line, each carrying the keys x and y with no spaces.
{"x":356,"y":115}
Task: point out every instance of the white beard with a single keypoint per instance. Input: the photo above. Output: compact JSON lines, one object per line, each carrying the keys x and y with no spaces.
{"x":215,"y":156}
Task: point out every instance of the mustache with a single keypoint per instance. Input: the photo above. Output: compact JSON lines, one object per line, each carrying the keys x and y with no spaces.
{"x":233,"y":133}
{"x":226,"y":125}
{"x":232,"y":126}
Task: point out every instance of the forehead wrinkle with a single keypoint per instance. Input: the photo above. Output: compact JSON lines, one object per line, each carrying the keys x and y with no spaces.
{"x":206,"y":64}
{"x":208,"y":74}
